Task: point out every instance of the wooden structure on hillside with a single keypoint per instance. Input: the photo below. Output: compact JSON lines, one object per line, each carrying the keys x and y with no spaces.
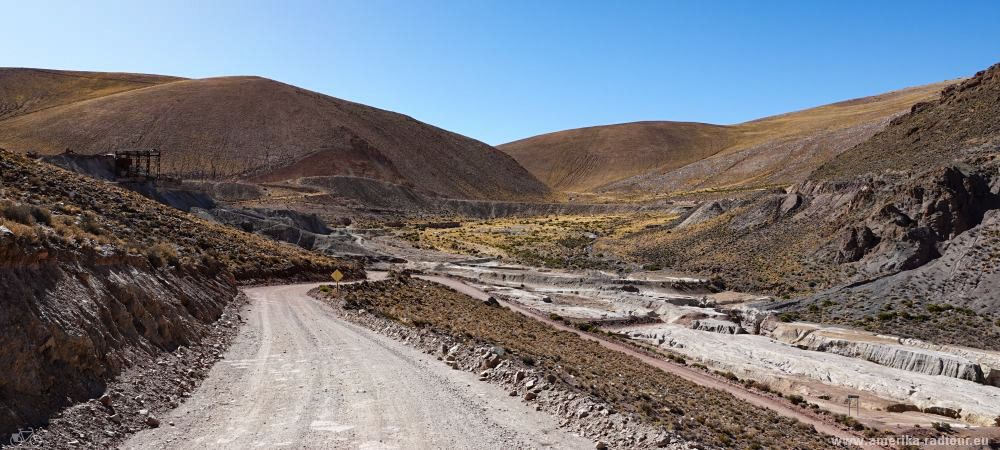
{"x":137,"y":164}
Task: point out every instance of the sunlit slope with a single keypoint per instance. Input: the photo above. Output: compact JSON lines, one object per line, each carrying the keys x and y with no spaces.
{"x":259,"y":129}
{"x":674,"y":156}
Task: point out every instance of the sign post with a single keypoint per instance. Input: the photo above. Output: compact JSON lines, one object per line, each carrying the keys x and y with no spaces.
{"x":855,"y":401}
{"x":337,"y":276}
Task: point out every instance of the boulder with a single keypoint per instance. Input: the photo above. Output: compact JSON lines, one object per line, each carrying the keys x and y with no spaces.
{"x":790,"y":203}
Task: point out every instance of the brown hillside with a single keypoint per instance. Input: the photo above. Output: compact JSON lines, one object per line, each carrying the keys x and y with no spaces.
{"x":259,"y":129}
{"x":775,"y":150}
{"x":964,"y":117}
{"x":582,"y":159}
{"x":23,"y":91}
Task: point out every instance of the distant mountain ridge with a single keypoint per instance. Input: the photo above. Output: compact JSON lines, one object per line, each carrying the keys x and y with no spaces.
{"x":249,"y":128}
{"x":682,"y":156}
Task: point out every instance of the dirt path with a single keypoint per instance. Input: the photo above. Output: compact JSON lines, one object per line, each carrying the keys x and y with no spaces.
{"x":690,"y":374}
{"x":299,"y":377}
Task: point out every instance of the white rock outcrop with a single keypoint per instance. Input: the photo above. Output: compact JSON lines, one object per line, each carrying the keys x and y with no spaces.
{"x":769,"y":361}
{"x":877,"y":349}
{"x":717,"y":326}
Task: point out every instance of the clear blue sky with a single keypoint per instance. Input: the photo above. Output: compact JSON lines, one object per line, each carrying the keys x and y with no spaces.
{"x":503,"y":70}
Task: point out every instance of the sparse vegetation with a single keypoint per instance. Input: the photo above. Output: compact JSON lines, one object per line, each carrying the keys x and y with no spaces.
{"x":564,"y":241}
{"x":48,"y":214}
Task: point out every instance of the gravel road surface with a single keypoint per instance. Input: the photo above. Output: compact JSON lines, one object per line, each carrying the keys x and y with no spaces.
{"x":299,"y":377}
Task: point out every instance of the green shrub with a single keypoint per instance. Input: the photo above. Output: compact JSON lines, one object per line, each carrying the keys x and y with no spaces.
{"x":796,"y":399}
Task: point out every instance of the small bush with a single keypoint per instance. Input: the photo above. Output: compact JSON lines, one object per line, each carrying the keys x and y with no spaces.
{"x":41,"y":215}
{"x":942,"y":427}
{"x":849,"y":422}
{"x":796,"y":399}
{"x":788,"y":317}
{"x":17,"y":212}
{"x":939,"y":308}
{"x":91,"y":224}
{"x":555,"y":317}
{"x":162,"y":254}
{"x":728,"y":375}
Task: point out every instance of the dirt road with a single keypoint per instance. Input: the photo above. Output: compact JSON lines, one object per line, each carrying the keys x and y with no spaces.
{"x":682,"y":371}
{"x":299,"y":377}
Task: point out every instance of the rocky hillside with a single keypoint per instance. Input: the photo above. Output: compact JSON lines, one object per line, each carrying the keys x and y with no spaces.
{"x":257,"y":129}
{"x":95,"y":279}
{"x":957,"y":126}
{"x":898,"y":235}
{"x":673,"y":156}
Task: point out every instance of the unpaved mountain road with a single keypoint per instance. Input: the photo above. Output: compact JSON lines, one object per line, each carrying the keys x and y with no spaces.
{"x":696,"y":376}
{"x":299,"y":377}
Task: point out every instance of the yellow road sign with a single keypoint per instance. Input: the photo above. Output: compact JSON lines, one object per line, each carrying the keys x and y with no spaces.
{"x":337,"y":276}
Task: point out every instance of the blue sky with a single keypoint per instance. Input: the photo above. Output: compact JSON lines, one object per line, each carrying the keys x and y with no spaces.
{"x":503,"y":70}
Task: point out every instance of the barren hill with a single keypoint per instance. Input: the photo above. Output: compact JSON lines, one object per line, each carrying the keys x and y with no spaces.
{"x":673,"y":156}
{"x":23,"y":91}
{"x":585,"y":158}
{"x":259,"y":129}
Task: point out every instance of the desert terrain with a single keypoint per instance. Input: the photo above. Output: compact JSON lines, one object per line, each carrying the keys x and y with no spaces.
{"x":309,"y":272}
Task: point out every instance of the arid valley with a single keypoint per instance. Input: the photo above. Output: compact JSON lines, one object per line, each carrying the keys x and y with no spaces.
{"x":238,"y":262}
